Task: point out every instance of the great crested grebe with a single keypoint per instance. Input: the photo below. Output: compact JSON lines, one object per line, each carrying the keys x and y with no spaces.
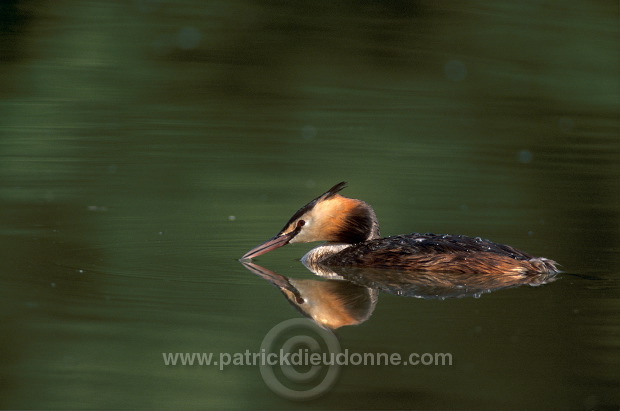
{"x":351,"y":232}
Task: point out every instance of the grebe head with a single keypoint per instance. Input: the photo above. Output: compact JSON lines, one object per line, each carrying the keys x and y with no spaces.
{"x":329,"y":217}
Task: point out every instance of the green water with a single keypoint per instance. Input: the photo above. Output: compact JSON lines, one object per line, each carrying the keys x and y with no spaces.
{"x":146,"y":145}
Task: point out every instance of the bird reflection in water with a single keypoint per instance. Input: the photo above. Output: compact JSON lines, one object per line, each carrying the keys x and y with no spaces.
{"x":348,"y":295}
{"x":358,"y":262}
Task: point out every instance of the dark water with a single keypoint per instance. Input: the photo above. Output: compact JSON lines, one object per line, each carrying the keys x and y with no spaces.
{"x":146,"y":145}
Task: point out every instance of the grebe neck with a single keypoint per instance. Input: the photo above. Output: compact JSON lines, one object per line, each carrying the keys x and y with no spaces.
{"x":321,"y":252}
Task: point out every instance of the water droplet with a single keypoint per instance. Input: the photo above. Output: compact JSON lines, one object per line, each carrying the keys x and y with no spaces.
{"x":525,"y":156}
{"x":188,"y":38}
{"x":455,"y":70}
{"x":308,"y":132}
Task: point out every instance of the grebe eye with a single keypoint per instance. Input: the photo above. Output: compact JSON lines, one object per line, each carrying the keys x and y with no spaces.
{"x":301,"y":223}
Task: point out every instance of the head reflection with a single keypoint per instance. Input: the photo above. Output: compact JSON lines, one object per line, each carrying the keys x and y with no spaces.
{"x":331,"y":303}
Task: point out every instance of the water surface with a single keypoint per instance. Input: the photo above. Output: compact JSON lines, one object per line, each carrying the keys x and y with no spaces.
{"x":146,"y":145}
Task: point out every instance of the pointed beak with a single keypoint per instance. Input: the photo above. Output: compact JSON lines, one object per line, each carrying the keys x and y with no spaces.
{"x":276,"y":242}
